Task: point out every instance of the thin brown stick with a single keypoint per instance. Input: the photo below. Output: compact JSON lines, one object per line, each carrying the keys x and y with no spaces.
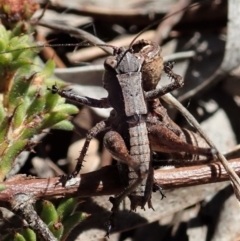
{"x":103,"y":181}
{"x":232,"y":174}
{"x":22,"y":204}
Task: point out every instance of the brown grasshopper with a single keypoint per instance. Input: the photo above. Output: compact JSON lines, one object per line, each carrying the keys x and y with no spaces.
{"x":138,"y":123}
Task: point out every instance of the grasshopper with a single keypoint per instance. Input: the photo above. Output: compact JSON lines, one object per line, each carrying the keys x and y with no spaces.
{"x":139,"y":124}
{"x":132,"y":130}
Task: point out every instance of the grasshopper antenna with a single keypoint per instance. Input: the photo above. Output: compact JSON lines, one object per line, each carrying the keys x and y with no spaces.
{"x":157,"y":22}
{"x":163,"y":19}
{"x":44,"y":45}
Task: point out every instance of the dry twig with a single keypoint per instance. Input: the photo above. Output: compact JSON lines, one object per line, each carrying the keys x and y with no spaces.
{"x":103,"y":181}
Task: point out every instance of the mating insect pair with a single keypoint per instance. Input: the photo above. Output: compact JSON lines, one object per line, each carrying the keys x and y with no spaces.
{"x":138,"y":123}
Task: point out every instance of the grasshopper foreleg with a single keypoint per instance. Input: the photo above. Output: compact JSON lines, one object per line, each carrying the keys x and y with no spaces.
{"x":78,"y":99}
{"x":101,"y":126}
{"x":176,"y":84}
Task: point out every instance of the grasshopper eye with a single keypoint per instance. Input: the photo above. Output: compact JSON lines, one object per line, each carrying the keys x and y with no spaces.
{"x":111,"y":63}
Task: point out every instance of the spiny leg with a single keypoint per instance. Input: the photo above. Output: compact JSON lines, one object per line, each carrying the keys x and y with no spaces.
{"x":101,"y":126}
{"x":114,"y":142}
{"x":168,"y":69}
{"x":102,"y":103}
{"x":177,"y":83}
{"x":117,"y":147}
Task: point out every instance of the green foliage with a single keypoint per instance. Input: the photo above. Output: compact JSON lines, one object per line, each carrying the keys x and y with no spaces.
{"x":26,"y":106}
{"x":63,"y":219}
{"x":60,"y":220}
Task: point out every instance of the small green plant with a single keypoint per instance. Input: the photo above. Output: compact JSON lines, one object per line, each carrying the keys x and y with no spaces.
{"x":60,"y":220}
{"x":26,"y":106}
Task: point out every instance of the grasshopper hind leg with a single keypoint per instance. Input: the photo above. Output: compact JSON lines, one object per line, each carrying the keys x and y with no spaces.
{"x":166,"y":141}
{"x":117,"y":147}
